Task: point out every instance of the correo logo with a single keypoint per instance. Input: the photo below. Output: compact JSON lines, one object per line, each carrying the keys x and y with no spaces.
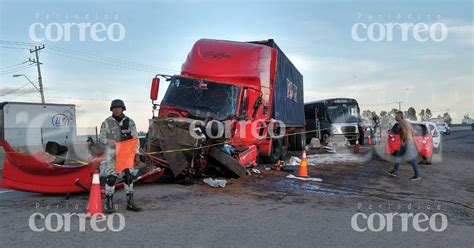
{"x":377,"y":222}
{"x":54,"y":31}
{"x":378,"y":32}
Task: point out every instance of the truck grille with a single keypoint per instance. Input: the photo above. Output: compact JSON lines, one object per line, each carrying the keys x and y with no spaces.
{"x":348,"y":129}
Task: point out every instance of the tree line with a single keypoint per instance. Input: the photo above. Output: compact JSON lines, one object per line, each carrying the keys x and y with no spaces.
{"x":411,"y":114}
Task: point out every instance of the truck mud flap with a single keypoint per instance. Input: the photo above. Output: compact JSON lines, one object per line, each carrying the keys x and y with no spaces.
{"x":177,"y":161}
{"x":228,"y":162}
{"x":172,"y":138}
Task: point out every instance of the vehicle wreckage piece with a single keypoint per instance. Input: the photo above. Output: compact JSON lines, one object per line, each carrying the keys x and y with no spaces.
{"x":227,"y":161}
{"x":173,"y":139}
{"x":39,"y":173}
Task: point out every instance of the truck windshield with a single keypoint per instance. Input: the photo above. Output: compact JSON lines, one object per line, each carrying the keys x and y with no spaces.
{"x":343,"y":113}
{"x":200,"y":97}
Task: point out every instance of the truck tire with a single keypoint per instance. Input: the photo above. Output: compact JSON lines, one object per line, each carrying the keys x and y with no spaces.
{"x":284,"y":149}
{"x":276,"y":151}
{"x":228,"y":162}
{"x":325,"y":138}
{"x":291,"y":143}
{"x":300,"y":140}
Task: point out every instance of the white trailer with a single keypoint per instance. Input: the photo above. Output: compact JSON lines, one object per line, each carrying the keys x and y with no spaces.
{"x":25,"y":124}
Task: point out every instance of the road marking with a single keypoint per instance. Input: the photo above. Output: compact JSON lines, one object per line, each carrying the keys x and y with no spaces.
{"x":6,"y":191}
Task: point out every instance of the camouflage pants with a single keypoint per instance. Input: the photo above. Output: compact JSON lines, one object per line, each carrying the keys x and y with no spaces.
{"x":110,"y":170}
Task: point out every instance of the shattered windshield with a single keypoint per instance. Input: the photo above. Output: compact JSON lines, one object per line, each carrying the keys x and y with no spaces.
{"x":343,"y":113}
{"x":202,"y":98}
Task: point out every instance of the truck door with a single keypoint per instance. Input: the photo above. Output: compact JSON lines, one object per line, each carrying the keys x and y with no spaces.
{"x":251,"y":123}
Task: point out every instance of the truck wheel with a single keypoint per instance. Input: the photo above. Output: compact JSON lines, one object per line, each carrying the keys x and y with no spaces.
{"x":300,"y":141}
{"x":275,"y":153}
{"x":292,"y":142}
{"x":325,"y":138}
{"x":284,"y":149}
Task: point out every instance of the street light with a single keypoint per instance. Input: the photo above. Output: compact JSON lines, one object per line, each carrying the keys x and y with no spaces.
{"x":40,"y":91}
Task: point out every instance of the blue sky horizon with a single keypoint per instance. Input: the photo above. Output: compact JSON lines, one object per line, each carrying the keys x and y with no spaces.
{"x":315,"y":35}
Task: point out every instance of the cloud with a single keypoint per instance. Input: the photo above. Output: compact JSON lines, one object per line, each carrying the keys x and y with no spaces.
{"x":463,"y":33}
{"x":460,"y":31}
{"x":372,"y":82}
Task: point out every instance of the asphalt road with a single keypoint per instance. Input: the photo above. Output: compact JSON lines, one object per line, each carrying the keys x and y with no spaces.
{"x":268,"y":210}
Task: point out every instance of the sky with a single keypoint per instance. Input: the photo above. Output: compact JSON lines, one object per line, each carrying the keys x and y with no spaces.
{"x":316,"y":35}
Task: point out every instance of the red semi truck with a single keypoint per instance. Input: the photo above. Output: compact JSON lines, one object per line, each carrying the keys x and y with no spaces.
{"x":231,"y":103}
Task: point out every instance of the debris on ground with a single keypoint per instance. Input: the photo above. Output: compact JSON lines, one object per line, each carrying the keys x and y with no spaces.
{"x":315,"y":143}
{"x":215,"y":183}
{"x":313,"y":179}
{"x":295,"y":161}
{"x":288,"y":168}
{"x":253,"y":170}
{"x":278,"y":165}
{"x":330,"y":149}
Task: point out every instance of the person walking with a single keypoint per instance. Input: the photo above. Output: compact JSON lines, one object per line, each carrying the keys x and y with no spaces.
{"x":407,"y":146}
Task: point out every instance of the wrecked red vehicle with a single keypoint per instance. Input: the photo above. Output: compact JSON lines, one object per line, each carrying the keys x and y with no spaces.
{"x":43,"y":172}
{"x":38,"y":173}
{"x":232,"y":103}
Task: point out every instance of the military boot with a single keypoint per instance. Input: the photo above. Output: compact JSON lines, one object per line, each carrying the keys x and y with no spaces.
{"x":109,"y":205}
{"x":131,"y":206}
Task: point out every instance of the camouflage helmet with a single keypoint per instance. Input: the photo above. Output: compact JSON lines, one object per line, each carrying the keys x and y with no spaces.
{"x":117,"y":103}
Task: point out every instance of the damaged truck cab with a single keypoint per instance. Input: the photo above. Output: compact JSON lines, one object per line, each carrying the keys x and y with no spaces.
{"x":231,"y":103}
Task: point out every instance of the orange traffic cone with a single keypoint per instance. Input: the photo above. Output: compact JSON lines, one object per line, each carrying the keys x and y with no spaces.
{"x":95,"y":201}
{"x":303,"y":169}
{"x":369,"y":141}
{"x":356,"y":147}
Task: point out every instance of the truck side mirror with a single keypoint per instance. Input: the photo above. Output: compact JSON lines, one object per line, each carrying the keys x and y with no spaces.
{"x":155,"y":85}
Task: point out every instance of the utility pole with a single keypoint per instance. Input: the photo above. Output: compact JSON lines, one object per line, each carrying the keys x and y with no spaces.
{"x":38,"y":63}
{"x":399,"y":106}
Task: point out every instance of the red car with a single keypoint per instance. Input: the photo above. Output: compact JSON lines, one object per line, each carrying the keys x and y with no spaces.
{"x":422,"y":139}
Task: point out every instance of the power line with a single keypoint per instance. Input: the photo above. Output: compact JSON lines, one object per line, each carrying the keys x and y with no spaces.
{"x":101,"y":62}
{"x":78,"y":54}
{"x":10,"y":66}
{"x":10,"y":47}
{"x":9,"y":92}
{"x":19,"y":43}
{"x":107,"y":59}
{"x":92,"y":99}
{"x":19,"y":95}
{"x":82,"y":98}
{"x":9,"y":71}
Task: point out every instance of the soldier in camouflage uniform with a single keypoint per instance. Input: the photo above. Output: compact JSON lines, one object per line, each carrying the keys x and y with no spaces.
{"x":116,"y":128}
